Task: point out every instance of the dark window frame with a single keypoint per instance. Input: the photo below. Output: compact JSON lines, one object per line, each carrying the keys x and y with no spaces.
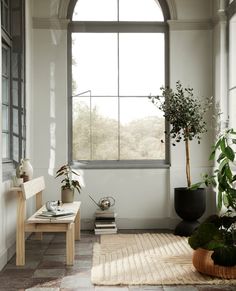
{"x":15,"y":39}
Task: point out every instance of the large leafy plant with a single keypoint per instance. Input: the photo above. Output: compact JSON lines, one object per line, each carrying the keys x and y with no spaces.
{"x":218,"y":232}
{"x":68,"y":182}
{"x":185,"y":113}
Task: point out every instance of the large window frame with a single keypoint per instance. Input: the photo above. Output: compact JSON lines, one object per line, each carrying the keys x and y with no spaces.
{"x":110,"y":27}
{"x":13,"y":38}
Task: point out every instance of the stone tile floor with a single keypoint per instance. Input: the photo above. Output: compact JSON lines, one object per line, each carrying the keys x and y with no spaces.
{"x":45,"y":269}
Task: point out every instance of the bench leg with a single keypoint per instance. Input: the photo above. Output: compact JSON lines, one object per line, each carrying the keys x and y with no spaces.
{"x":20,"y":231}
{"x":70,"y":244}
{"x":38,"y":236}
{"x":77,"y":226}
{"x":20,"y":249}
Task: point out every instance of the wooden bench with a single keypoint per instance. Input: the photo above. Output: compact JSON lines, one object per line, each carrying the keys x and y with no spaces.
{"x":70,"y":225}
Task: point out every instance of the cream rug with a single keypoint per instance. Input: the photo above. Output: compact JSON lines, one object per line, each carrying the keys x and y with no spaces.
{"x":147,"y":259}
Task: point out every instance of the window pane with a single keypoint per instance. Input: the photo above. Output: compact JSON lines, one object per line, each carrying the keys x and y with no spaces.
{"x":140,"y":10}
{"x":142,"y":59}
{"x":15,"y":148}
{"x":15,"y":121}
{"x":5,"y":117}
{"x":5,"y":145}
{"x":94,"y":10}
{"x":81,"y":128}
{"x":5,"y":61}
{"x":5,"y":91}
{"x":94,"y":57}
{"x":97,"y":140}
{"x":15,"y":93}
{"x":142,"y":129}
{"x":105,"y":128}
{"x":15,"y":65}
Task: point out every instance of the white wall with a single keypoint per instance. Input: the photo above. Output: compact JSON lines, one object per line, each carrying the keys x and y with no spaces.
{"x":144,"y":197}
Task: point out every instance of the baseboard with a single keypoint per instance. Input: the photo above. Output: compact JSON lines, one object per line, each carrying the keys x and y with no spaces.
{"x":136,"y":223}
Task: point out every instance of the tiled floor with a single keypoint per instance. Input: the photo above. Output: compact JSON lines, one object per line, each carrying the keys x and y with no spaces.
{"x":45,"y":269}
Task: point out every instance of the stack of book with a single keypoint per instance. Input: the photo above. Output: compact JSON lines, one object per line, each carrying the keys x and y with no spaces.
{"x":105,"y":222}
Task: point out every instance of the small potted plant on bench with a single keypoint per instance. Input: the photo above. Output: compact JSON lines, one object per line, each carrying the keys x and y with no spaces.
{"x":69,"y":183}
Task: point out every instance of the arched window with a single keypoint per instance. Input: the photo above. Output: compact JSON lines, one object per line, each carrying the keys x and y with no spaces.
{"x":118,"y":56}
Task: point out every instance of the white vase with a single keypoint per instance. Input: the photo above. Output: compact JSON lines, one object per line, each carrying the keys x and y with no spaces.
{"x":27,"y":168}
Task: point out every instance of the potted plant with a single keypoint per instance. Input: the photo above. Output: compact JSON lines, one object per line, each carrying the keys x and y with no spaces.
{"x":185,"y":114}
{"x":214,"y":241}
{"x":68,"y":183}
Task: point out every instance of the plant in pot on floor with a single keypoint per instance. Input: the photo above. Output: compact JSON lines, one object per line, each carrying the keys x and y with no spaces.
{"x":185,"y":114}
{"x":69,"y":183}
{"x":214,"y":241}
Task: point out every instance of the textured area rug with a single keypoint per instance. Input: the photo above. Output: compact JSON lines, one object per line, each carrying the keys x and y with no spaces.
{"x":147,"y":259}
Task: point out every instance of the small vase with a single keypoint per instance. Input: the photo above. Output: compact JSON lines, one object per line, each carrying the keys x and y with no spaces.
{"x":67,"y":195}
{"x":27,"y":170}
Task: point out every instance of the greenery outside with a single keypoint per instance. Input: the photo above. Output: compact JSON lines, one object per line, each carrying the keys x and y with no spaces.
{"x":138,"y":139}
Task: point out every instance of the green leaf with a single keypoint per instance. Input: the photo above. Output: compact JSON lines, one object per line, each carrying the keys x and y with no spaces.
{"x":229,"y":153}
{"x":219,"y":204}
{"x":228,"y":172}
{"x":222,"y":164}
{"x":218,"y":143}
{"x":203,"y":235}
{"x":225,"y":256}
{"x":225,"y":200}
{"x":195,"y":186}
{"x":232,"y":192}
{"x":221,"y":156}
{"x":213,"y":245}
{"x":212,"y":155}
{"x":59,"y":174}
{"x":222,"y":144}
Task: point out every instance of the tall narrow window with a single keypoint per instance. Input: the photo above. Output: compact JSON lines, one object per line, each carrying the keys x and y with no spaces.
{"x":13,"y":103}
{"x":118,"y":58}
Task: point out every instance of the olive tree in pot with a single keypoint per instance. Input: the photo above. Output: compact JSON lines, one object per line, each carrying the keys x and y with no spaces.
{"x":69,"y":183}
{"x":214,"y":241}
{"x":185,"y":115}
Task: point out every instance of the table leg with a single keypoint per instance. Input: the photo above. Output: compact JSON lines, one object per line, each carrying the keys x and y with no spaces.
{"x":70,"y":244}
{"x":77,"y":226}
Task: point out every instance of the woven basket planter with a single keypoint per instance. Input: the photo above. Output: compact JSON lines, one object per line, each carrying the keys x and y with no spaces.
{"x":203,"y":262}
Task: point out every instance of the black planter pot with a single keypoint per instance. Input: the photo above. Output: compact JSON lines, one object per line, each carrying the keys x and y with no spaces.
{"x":190,"y":206}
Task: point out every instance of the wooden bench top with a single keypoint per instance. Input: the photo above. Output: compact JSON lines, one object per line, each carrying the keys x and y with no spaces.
{"x":75,"y":206}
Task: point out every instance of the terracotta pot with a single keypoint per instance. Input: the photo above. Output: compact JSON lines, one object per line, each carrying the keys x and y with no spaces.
{"x":203,"y":262}
{"x":67,"y":195}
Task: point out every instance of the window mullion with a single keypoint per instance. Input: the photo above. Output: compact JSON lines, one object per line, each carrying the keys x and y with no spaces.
{"x":118,"y":88}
